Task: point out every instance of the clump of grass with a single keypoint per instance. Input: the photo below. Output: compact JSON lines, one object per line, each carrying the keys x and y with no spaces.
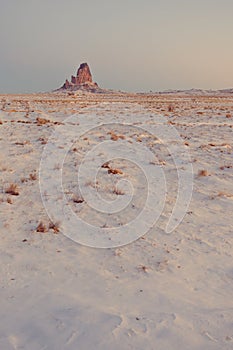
{"x":225,"y":167}
{"x":41,"y":228}
{"x":115,"y":171}
{"x":42,"y":121}
{"x":171,"y":108}
{"x":143,"y":268}
{"x":203,"y":172}
{"x":224,"y":194}
{"x":9,"y":200}
{"x":77,"y":199}
{"x":33,"y":176}
{"x":54,"y":227}
{"x":115,"y":137}
{"x":105,"y":165}
{"x":118,"y":191}
{"x":12,"y":189}
{"x":43,"y":140}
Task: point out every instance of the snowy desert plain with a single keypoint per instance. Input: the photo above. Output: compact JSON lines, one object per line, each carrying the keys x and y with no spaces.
{"x":116,"y":221}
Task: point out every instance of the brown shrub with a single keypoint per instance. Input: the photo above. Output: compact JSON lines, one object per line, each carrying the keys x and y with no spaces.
{"x":171,"y":108}
{"x":118,"y":191}
{"x":9,"y":200}
{"x":33,"y":176}
{"x":115,"y":137}
{"x":54,"y":227}
{"x":12,"y":189}
{"x":115,"y":171}
{"x":105,"y":165}
{"x":203,"y":173}
{"x":42,"y":121}
{"x":41,"y":227}
{"x":78,"y":199}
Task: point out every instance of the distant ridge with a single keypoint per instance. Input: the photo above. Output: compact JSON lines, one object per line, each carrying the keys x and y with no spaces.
{"x":83,"y":82}
{"x":198,"y":92}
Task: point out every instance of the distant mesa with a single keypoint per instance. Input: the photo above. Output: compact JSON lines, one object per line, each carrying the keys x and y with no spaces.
{"x":82,"y":81}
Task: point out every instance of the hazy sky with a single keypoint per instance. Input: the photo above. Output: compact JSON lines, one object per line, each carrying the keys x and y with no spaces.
{"x":131,"y":45}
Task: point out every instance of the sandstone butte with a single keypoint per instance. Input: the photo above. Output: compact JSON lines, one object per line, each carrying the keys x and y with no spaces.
{"x":82,"y":81}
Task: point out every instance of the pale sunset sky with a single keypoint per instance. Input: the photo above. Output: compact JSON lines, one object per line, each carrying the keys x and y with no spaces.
{"x":130,"y":45}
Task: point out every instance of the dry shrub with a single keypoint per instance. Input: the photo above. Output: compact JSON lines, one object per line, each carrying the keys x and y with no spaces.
{"x":224,"y":194}
{"x":42,"y":121}
{"x":115,"y":137}
{"x":43,"y":140}
{"x":105,"y":165}
{"x":33,"y":176}
{"x":228,"y":115}
{"x":226,"y":167}
{"x":203,"y":173}
{"x":118,"y":191}
{"x":111,"y":170}
{"x":41,"y":228}
{"x":9,"y":200}
{"x":0,"y":122}
{"x":54,"y":227}
{"x":115,"y":171}
{"x":12,"y":189}
{"x":143,"y":268}
{"x":171,"y":108}
{"x":77,"y":199}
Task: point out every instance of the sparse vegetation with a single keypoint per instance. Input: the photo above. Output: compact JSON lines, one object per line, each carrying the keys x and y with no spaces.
{"x":171,"y":108}
{"x":54,"y":227}
{"x":77,"y":199}
{"x":42,"y":121}
{"x":203,"y":173}
{"x":118,"y":191}
{"x":41,"y":228}
{"x":105,"y":165}
{"x":115,"y":137}
{"x":115,"y":171}
{"x":33,"y":176}
{"x":143,"y":268}
{"x":9,"y":200}
{"x":12,"y":189}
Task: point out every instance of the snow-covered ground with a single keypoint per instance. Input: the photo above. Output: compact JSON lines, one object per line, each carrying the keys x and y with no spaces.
{"x":164,"y":290}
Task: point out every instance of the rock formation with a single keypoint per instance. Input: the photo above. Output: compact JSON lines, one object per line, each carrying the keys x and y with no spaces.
{"x":82,"y":81}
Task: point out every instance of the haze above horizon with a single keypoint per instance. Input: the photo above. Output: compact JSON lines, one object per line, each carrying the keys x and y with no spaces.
{"x":130,"y":45}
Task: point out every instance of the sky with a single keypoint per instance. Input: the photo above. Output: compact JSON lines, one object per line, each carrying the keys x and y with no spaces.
{"x":130,"y":45}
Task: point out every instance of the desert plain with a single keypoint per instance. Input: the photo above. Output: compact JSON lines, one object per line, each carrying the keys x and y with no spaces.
{"x":161,"y":291}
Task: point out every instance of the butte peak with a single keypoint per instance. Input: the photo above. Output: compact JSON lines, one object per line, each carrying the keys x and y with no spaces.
{"x":84,"y":74}
{"x":82,"y":81}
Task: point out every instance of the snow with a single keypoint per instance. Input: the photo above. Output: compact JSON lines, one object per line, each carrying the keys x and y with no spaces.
{"x":162,"y":290}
